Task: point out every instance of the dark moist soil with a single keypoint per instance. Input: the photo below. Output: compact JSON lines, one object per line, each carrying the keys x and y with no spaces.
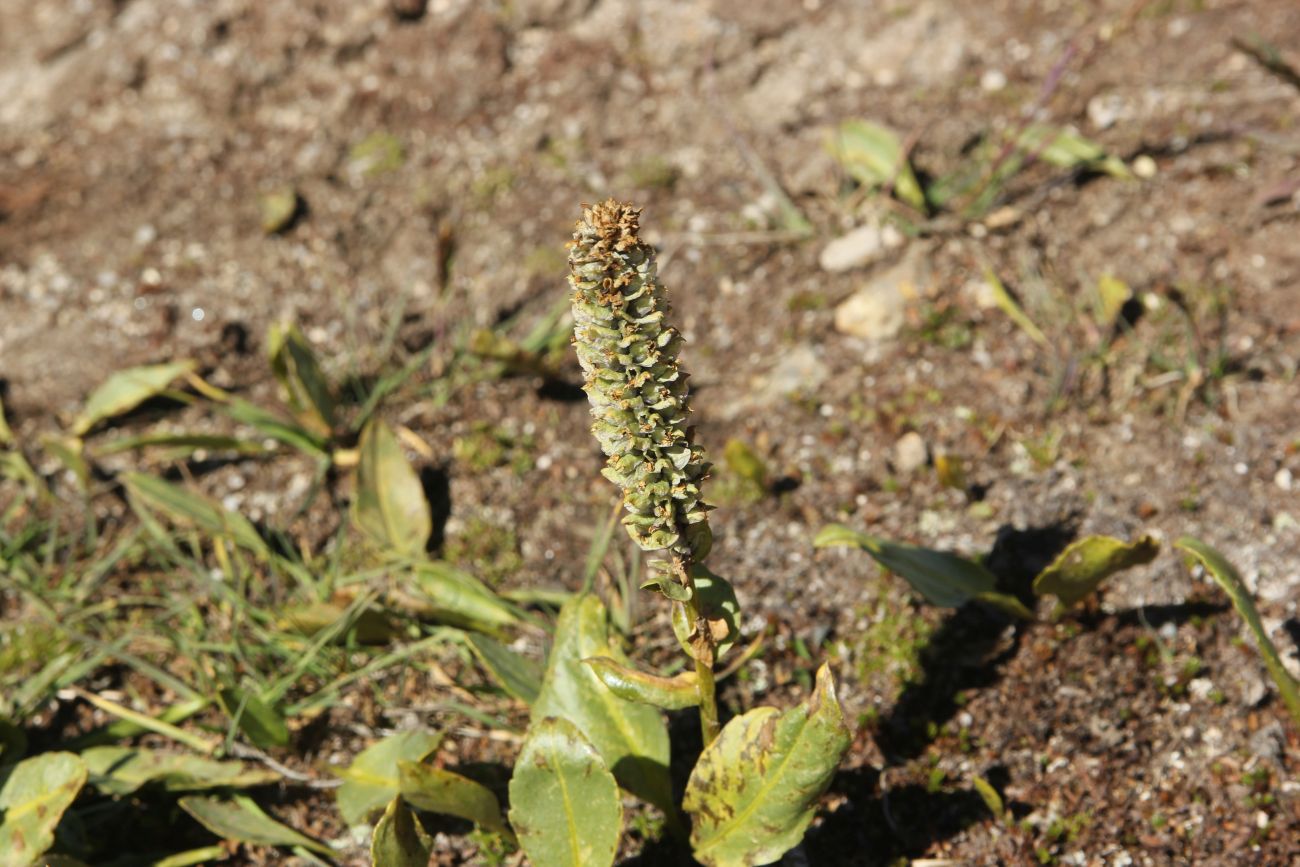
{"x":136,"y":139}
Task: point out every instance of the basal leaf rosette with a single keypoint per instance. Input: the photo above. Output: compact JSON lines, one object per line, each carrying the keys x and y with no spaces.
{"x":638,"y":393}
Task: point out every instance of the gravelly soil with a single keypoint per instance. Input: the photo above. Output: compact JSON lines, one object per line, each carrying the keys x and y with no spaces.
{"x":137,"y":137}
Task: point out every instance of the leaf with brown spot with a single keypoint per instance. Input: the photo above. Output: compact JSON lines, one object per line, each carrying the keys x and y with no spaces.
{"x":754,"y":790}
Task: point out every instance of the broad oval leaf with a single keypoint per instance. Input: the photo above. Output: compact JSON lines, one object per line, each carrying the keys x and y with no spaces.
{"x":372,"y":780}
{"x":873,"y":155}
{"x":518,"y":675}
{"x":125,"y":390}
{"x":632,"y":738}
{"x":1082,"y":566}
{"x":565,"y":805}
{"x":399,"y":839}
{"x":389,"y":506}
{"x":34,"y":794}
{"x":116,"y":770}
{"x":440,"y":791}
{"x":754,"y":789}
{"x":1226,"y":576}
{"x":669,"y":693}
{"x":241,"y":819}
{"x":944,"y":579}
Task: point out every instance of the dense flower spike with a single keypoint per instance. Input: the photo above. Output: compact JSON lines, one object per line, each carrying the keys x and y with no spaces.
{"x":639,"y":397}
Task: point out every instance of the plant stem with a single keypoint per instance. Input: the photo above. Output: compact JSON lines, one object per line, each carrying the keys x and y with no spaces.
{"x":704,"y":649}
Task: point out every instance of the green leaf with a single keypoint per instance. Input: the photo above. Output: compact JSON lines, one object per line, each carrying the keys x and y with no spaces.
{"x":69,"y":451}
{"x":389,"y":506}
{"x":669,"y":693}
{"x":275,"y":427}
{"x":448,"y":595}
{"x":943,"y":579}
{"x":1013,"y":310}
{"x":989,"y":796}
{"x":1227,"y":578}
{"x":1112,"y":294}
{"x":518,"y":675}
{"x":34,"y":794}
{"x":279,"y":207}
{"x":400,"y":840}
{"x":192,"y":510}
{"x":181,"y":443}
{"x":242,"y":820}
{"x":118,"y":770}
{"x":755,"y":788}
{"x":371,"y":780}
{"x":873,"y":156}
{"x":715,"y":599}
{"x":565,"y":805}
{"x":1081,"y":567}
{"x":631,"y":737}
{"x":259,"y":721}
{"x":1067,"y":149}
{"x":441,"y":791}
{"x":307,"y":390}
{"x":6,"y":435}
{"x":125,"y":390}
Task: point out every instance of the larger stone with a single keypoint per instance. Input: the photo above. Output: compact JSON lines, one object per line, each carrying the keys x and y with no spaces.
{"x":877,"y":310}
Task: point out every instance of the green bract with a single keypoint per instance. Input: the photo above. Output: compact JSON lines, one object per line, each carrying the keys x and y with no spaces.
{"x":638,"y":393}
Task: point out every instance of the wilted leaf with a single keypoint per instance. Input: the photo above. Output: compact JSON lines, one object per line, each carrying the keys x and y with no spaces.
{"x":755,"y":788}
{"x":34,"y":794}
{"x":446,"y":594}
{"x":715,"y":599}
{"x":669,"y":693}
{"x":943,"y":579}
{"x":632,"y":738}
{"x":873,"y":156}
{"x":1227,"y":578}
{"x":122,"y":770}
{"x":399,"y":839}
{"x":389,"y":506}
{"x":1081,"y":567}
{"x":371,"y":780}
{"x":241,"y":819}
{"x":441,"y":791}
{"x":518,"y":675}
{"x":193,"y":510}
{"x":306,"y":388}
{"x":125,"y":390}
{"x":259,"y":721}
{"x":565,"y":805}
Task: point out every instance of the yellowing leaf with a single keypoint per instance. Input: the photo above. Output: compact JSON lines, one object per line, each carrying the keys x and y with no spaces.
{"x":565,"y":805}
{"x":755,"y":788}
{"x":34,"y":794}
{"x":125,"y":390}
{"x":873,"y":156}
{"x":118,"y":770}
{"x":389,"y":506}
{"x":1080,"y":568}
{"x":441,"y":791}
{"x":1112,"y":295}
{"x":399,"y":839}
{"x":371,"y":780}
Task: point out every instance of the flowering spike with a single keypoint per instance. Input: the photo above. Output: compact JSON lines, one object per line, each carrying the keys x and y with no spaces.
{"x":639,"y":397}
